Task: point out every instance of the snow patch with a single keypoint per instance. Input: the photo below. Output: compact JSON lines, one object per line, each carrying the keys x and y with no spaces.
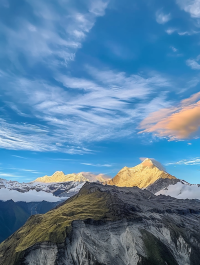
{"x":181,"y":191}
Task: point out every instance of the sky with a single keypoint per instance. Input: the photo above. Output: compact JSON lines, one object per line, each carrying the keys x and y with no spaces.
{"x":96,"y":85}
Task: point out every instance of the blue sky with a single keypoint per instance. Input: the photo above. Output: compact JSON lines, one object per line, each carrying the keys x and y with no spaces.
{"x":97,"y":85}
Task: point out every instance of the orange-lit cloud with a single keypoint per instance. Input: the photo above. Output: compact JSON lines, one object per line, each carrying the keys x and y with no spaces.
{"x":181,"y":122}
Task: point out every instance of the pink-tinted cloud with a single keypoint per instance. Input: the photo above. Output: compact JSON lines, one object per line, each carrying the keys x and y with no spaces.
{"x":181,"y":122}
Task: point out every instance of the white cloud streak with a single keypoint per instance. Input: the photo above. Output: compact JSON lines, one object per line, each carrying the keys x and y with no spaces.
{"x":189,"y":162}
{"x":162,"y":18}
{"x":96,"y":165}
{"x":181,"y":33}
{"x":33,"y":171}
{"x":19,"y":157}
{"x":6,"y":175}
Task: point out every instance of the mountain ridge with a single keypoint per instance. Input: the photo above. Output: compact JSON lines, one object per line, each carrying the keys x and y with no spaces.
{"x":109,"y":225}
{"x":59,"y":176}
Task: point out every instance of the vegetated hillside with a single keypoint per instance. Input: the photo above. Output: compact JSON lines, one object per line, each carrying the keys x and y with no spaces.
{"x":14,"y":214}
{"x":109,"y":225}
{"x":142,"y":175}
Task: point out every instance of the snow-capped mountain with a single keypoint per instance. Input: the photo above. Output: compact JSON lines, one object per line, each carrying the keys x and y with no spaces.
{"x":49,"y":188}
{"x":36,"y":191}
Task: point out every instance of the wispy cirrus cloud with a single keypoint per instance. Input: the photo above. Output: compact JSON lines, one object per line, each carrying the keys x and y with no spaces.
{"x":170,"y":31}
{"x":187,"y":162}
{"x":187,"y":33}
{"x":76,"y":110}
{"x":49,"y":34}
{"x":19,"y":156}
{"x":33,"y":171}
{"x":16,"y":169}
{"x":176,"y":122}
{"x":20,"y":137}
{"x":162,"y":18}
{"x":57,"y":110}
{"x":96,"y":165}
{"x":9,"y":175}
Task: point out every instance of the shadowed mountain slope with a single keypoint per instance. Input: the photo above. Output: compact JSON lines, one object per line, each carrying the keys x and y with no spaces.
{"x":141,"y":175}
{"x":109,"y":225}
{"x":162,"y":183}
{"x":12,"y":217}
{"x":14,"y":214}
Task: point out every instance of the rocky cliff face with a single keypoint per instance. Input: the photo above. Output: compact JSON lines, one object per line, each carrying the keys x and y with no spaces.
{"x":109,"y":225}
{"x":122,"y":242}
{"x":142,"y":175}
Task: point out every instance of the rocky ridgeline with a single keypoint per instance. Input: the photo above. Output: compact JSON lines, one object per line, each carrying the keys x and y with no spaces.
{"x":109,"y":225}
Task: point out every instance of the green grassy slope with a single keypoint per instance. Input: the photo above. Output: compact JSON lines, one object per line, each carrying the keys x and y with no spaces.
{"x":54,"y":225}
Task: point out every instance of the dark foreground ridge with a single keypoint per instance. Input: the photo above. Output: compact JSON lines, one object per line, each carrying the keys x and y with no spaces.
{"x":104,"y":225}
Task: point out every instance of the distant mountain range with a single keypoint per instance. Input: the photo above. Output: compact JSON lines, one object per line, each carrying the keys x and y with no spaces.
{"x":148,"y":175}
{"x":46,"y":192}
{"x":37,"y":191}
{"x":59,"y":176}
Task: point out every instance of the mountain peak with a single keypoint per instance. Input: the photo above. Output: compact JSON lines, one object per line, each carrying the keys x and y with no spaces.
{"x":151,"y":162}
{"x":141,"y":175}
{"x":148,"y":162}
